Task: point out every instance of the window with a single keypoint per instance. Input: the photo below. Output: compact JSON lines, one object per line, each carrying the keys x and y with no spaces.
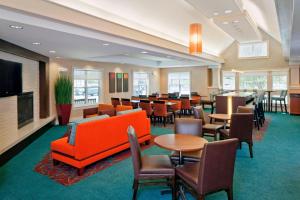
{"x":279,"y":80}
{"x":140,"y":83}
{"x":86,"y":86}
{"x":179,"y":82}
{"x":254,"y":80}
{"x":229,"y":80}
{"x":253,"y":49}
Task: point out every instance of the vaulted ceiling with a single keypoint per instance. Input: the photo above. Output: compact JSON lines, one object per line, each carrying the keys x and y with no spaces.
{"x":169,"y":19}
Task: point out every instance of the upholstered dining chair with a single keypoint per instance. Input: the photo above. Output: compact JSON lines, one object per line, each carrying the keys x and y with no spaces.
{"x":213,"y":173}
{"x":190,"y":127}
{"x":126,"y":102}
{"x":241,"y":127}
{"x":176,"y":108}
{"x":150,"y":167}
{"x":207,"y":128}
{"x":195,"y":100}
{"x":185,"y":105}
{"x":160,"y":112}
{"x":115,"y":101}
{"x":245,"y":109}
{"x":146,"y":105}
{"x":152,"y":98}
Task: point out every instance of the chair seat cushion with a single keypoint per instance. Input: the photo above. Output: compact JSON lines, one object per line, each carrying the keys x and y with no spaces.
{"x":157,"y":164}
{"x":189,"y":173}
{"x":224,"y":132}
{"x":62,"y":146}
{"x":212,"y":126}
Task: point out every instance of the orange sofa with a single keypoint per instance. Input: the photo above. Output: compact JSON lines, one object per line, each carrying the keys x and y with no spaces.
{"x":99,"y":139}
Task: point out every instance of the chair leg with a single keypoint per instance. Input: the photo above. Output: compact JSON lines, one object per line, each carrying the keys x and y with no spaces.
{"x":285,"y":106}
{"x":201,"y":197}
{"x":229,"y":193}
{"x":135,"y":188}
{"x":281,"y":106}
{"x":165,"y":119}
{"x":250,"y":149}
{"x":174,"y":188}
{"x":240,"y":145}
{"x":276,"y":106}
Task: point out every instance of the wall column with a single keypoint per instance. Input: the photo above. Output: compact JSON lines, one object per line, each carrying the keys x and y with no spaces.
{"x":294,"y":76}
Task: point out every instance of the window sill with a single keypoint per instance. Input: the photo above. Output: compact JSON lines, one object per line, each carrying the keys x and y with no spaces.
{"x":79,"y":107}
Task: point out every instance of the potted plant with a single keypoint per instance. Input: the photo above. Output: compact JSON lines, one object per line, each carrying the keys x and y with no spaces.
{"x":63,"y":98}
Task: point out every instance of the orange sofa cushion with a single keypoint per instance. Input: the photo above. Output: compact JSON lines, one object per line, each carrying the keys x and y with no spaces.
{"x":62,"y":146}
{"x":99,"y":136}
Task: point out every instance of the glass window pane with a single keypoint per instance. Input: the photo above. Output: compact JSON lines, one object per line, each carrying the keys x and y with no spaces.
{"x":251,"y":81}
{"x":179,"y":82}
{"x":254,"y":49}
{"x":140,"y":83}
{"x":228,"y":81}
{"x":86,"y":86}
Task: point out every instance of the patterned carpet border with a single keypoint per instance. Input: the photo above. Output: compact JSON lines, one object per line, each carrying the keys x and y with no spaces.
{"x":67,"y":175}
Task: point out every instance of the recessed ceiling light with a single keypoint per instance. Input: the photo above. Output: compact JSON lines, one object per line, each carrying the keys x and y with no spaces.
{"x":236,"y":21}
{"x":144,"y":52}
{"x":52,"y":51}
{"x":16,"y":26}
{"x":105,"y":44}
{"x":228,"y":11}
{"x":36,"y":43}
{"x":225,"y":23}
{"x":216,"y":13}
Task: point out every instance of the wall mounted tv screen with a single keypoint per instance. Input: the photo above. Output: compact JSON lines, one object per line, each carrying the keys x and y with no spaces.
{"x":10,"y":78}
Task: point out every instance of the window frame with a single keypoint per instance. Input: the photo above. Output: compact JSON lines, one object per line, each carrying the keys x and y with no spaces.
{"x":100,"y":86}
{"x":252,"y":43}
{"x":280,"y":73}
{"x":189,"y":82}
{"x":147,"y":86}
{"x":233,"y":74}
{"x":254,"y":73}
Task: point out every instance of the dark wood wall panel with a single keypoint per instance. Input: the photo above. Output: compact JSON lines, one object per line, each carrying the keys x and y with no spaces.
{"x":44,"y":89}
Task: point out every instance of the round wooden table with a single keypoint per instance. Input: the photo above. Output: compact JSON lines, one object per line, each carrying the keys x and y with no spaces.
{"x":180,"y":143}
{"x":224,"y":117}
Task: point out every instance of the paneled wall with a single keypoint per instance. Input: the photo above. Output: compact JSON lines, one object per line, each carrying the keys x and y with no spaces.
{"x":63,"y":64}
{"x":9,"y":133}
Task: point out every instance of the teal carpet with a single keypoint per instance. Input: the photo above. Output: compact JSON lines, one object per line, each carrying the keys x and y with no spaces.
{"x":273,"y":173}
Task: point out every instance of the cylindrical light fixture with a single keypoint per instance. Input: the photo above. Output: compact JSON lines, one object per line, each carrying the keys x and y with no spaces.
{"x":195,"y":39}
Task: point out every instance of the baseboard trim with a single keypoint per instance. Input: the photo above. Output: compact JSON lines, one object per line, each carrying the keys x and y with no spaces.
{"x":15,"y":150}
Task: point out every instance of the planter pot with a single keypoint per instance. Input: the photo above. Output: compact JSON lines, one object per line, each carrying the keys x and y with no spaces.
{"x":63,"y":113}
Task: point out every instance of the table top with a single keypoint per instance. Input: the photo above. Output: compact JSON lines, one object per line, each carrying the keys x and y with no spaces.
{"x":220,"y":116}
{"x":167,"y":103}
{"x":237,"y":94}
{"x":180,"y":142}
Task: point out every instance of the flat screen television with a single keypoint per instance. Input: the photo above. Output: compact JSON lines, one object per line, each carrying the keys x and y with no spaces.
{"x":10,"y":78}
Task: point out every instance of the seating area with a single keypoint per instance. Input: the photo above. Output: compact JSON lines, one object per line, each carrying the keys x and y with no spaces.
{"x":149,"y":100}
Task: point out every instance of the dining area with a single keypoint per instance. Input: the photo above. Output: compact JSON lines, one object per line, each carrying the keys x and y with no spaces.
{"x":194,"y":147}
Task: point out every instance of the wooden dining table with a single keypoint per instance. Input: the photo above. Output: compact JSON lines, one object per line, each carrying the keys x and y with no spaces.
{"x":180,"y":143}
{"x":224,"y":117}
{"x":168,"y":103}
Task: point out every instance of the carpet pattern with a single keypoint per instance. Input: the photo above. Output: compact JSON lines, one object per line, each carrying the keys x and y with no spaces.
{"x":67,"y":175}
{"x":273,"y":173}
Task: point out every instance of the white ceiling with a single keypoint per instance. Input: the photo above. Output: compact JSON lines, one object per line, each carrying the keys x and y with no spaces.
{"x":169,"y":19}
{"x":76,"y":43}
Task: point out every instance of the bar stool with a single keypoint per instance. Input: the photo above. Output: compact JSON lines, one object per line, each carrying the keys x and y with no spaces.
{"x":280,"y":98}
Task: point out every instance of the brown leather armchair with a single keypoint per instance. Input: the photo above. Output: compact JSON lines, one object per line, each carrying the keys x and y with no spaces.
{"x":241,"y":127}
{"x":154,"y":167}
{"x":207,"y":129}
{"x":190,"y":127}
{"x":213,"y":173}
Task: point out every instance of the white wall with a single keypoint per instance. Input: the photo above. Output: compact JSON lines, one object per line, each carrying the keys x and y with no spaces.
{"x":57,"y":64}
{"x":9,"y":132}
